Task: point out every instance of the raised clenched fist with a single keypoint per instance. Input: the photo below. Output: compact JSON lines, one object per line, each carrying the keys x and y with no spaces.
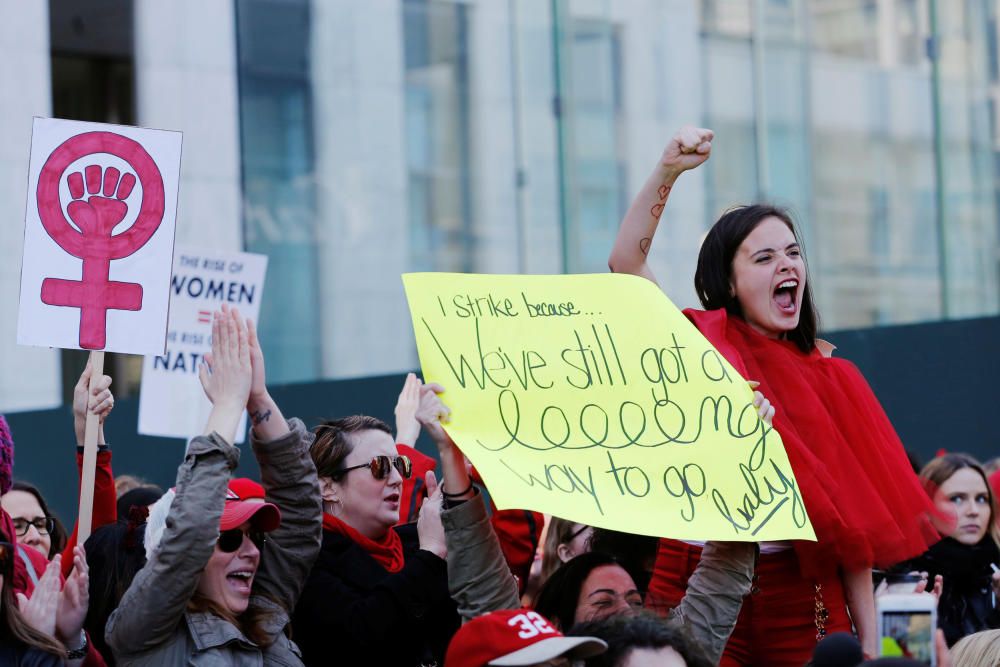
{"x":688,"y":148}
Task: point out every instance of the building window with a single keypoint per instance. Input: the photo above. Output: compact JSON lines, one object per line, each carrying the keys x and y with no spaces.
{"x":278,"y":171}
{"x":436,"y":41}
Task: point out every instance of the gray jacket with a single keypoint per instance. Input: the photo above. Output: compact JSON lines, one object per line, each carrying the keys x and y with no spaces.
{"x":480,"y":580}
{"x":152,"y":625}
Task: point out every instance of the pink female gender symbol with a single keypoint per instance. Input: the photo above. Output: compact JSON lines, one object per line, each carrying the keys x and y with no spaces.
{"x":97,"y":217}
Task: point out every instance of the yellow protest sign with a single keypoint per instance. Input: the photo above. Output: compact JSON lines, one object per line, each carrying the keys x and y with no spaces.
{"x":592,"y":397}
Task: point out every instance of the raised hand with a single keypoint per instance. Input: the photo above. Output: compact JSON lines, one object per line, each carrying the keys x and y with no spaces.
{"x":431,"y":412}
{"x":267,"y":420}
{"x":73,"y":601}
{"x":430,"y":530}
{"x":687,"y":149}
{"x":227,"y":374}
{"x":100,"y":402}
{"x":40,"y":610}
{"x":407,"y":426}
{"x":258,"y":386}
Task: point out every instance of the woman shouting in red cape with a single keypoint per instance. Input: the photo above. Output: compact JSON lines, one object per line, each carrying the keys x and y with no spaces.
{"x":864,"y":501}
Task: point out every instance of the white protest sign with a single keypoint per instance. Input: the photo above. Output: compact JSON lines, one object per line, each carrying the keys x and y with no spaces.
{"x":98,"y":236}
{"x":171,"y":400}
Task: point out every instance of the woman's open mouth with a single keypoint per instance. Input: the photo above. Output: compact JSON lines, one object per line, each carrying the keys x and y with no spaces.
{"x":784,"y":295}
{"x":241,"y":581}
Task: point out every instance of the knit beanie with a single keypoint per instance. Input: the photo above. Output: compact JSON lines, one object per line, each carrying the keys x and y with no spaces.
{"x":6,"y":457}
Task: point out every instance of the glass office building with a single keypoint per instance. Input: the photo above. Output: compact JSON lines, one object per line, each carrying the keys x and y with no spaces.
{"x":352,"y":141}
{"x":508,"y":137}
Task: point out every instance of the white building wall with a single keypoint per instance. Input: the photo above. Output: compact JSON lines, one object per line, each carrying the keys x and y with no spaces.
{"x":662,"y":73}
{"x":361,"y":193}
{"x":30,"y":375}
{"x":497,"y":241}
{"x":186,"y":79}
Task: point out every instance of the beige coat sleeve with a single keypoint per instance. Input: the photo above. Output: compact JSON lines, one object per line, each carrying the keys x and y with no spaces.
{"x":479,"y":579}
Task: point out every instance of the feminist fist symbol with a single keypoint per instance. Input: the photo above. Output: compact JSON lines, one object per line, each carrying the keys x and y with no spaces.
{"x":96,"y":216}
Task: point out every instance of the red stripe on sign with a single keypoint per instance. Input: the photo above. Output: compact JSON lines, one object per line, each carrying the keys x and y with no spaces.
{"x":204,"y":316}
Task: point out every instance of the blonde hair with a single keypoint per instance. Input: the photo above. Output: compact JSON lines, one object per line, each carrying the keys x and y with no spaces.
{"x":981,"y":649}
{"x":559,"y":531}
{"x":125,"y":483}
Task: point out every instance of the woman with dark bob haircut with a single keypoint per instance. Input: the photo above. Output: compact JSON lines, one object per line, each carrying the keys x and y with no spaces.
{"x":865,"y":504}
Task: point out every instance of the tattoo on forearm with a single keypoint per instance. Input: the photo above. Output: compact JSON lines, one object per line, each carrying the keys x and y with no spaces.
{"x":260,"y":416}
{"x":644,"y":245}
{"x":658,"y":208}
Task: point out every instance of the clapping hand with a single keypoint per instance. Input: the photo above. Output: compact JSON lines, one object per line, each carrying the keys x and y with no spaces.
{"x":227,"y":374}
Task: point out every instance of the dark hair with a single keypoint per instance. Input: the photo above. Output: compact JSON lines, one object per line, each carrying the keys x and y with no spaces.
{"x":140,"y":496}
{"x":623,"y":634}
{"x":636,"y":553}
{"x":12,"y":622}
{"x":115,"y":553}
{"x":557,"y":601}
{"x":333,"y":442}
{"x":58,"y":537}
{"x":839,"y":649}
{"x":713,"y":277}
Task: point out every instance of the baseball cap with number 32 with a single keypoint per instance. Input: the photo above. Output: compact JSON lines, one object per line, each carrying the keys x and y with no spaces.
{"x":515,"y":638}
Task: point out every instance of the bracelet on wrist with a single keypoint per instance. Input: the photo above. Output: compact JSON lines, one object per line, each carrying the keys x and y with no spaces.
{"x":458,"y":495}
{"x":79,"y":652}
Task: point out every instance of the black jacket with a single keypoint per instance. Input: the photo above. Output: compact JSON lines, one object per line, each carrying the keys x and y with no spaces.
{"x":967,"y":602}
{"x":16,"y":654}
{"x":354,"y":612}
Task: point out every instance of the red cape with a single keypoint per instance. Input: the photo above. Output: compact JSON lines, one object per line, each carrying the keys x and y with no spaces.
{"x":863,"y":498}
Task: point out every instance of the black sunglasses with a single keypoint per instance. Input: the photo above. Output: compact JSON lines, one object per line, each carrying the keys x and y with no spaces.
{"x":231,"y":540}
{"x":43,"y":524}
{"x":382,"y":465}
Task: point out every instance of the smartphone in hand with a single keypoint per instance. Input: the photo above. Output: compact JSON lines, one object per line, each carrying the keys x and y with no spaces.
{"x":906,"y":626}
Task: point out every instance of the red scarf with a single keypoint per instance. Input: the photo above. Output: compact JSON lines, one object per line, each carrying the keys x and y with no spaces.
{"x":387,"y":552}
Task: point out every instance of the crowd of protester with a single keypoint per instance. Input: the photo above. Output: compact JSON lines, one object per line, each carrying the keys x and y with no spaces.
{"x":356,"y":549}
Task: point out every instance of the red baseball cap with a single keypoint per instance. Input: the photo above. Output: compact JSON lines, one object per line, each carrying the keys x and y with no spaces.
{"x":246,"y":488}
{"x":248,"y":506}
{"x":515,"y":637}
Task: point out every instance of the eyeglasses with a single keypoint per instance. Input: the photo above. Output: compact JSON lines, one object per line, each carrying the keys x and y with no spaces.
{"x":231,"y":540}
{"x":382,"y":465}
{"x":43,"y":524}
